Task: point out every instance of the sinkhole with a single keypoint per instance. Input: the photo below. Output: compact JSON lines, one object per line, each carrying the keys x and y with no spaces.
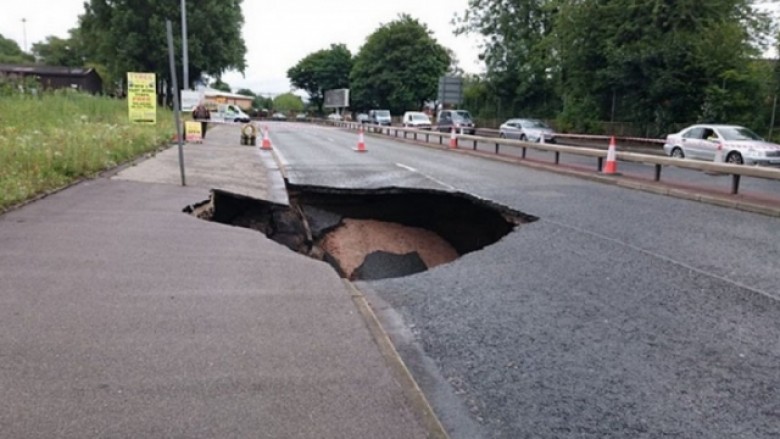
{"x":368,"y":234}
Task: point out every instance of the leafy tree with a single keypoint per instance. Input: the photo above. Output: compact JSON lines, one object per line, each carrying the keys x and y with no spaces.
{"x":219,"y":84}
{"x":398,"y":68}
{"x":656,"y":62}
{"x":11,"y":53}
{"x":246,"y":92}
{"x":55,"y":51}
{"x":288,"y":102}
{"x":128,"y":35}
{"x":323,"y":70}
{"x":262,"y":102}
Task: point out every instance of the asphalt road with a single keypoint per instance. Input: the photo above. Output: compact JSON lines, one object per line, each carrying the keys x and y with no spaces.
{"x":757,"y":187}
{"x":618,"y":314}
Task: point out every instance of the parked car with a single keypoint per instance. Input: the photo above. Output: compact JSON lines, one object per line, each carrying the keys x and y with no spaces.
{"x":460,"y":119}
{"x":279,"y":116}
{"x":416,"y":119}
{"x":740,"y":145}
{"x":532,"y":130}
{"x":380,"y":117}
{"x":362,"y":118}
{"x":335,"y":116}
{"x":300,"y":116}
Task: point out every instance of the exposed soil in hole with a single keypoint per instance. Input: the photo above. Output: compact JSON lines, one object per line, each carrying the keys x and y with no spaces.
{"x":350,"y":243}
{"x":370,"y":234}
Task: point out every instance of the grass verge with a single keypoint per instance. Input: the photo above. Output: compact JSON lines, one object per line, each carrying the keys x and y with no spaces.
{"x":51,"y":140}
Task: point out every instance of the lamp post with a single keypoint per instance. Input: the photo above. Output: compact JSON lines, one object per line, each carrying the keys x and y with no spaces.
{"x":24,"y":32}
{"x":184,"y":61}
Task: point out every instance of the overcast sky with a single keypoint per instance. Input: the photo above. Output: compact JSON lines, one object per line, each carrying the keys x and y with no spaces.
{"x":277,"y":33}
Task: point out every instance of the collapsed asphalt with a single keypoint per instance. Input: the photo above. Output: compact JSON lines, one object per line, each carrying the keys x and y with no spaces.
{"x":314,"y":221}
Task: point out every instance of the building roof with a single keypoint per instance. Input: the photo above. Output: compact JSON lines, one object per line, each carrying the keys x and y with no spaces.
{"x":214,"y":92}
{"x":38,"y":69}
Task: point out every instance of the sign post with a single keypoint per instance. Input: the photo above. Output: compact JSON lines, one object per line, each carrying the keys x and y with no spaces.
{"x":450,"y":90}
{"x":176,"y":108}
{"x":142,"y":97}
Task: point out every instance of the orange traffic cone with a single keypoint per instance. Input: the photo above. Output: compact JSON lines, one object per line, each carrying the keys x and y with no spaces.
{"x":453,"y":139}
{"x":266,"y":139}
{"x":361,"y":141}
{"x":719,"y":154}
{"x":611,"y":166}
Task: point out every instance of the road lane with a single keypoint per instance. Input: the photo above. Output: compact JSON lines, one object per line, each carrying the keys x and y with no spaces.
{"x":618,"y":314}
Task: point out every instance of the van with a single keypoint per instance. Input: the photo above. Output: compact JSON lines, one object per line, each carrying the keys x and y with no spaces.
{"x":380,"y":117}
{"x":416,"y":119}
{"x":459,"y":119}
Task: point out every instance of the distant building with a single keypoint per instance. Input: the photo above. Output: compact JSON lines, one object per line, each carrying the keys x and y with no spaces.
{"x":220,"y":97}
{"x":56,"y":77}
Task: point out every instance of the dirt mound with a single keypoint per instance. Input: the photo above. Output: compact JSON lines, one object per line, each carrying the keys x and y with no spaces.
{"x":355,"y":239}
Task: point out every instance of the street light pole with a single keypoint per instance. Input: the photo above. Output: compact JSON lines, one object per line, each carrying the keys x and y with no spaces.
{"x":184,"y":62}
{"x":24,"y":32}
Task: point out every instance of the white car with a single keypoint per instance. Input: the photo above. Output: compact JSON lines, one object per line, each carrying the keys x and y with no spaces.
{"x":335,"y":116}
{"x":738,"y":144}
{"x":417,"y":119}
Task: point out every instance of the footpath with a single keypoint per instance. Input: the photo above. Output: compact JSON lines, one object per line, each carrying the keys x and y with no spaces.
{"x":122,"y":316}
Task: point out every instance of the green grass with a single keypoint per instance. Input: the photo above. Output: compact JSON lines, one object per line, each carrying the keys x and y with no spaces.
{"x":54,"y":139}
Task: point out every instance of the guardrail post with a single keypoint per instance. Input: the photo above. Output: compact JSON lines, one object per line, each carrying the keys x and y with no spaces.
{"x":496,"y":148}
{"x":600,"y":164}
{"x":396,"y":133}
{"x":523,"y":154}
{"x":427,"y":137}
{"x":735,"y":184}
{"x":441,"y":139}
{"x":557,"y":157}
{"x":657,"y":172}
{"x":404,"y":134}
{"x":475,"y":145}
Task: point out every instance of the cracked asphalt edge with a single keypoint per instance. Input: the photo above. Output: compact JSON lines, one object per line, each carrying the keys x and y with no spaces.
{"x":412,"y":391}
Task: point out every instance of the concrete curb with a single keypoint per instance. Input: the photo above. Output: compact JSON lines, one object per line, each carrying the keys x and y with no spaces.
{"x":655,"y":188}
{"x":414,"y":395}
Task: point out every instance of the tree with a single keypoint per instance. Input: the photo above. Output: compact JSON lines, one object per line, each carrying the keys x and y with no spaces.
{"x":652,"y":62}
{"x":221,"y":85}
{"x":262,"y":102}
{"x":323,"y":70}
{"x":131,"y":36}
{"x":398,"y":68}
{"x":246,"y":92}
{"x":12,"y":54}
{"x":288,"y":102}
{"x":55,"y":51}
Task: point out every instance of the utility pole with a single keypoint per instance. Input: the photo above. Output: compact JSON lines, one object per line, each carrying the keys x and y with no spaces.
{"x":184,"y":61}
{"x":24,"y":32}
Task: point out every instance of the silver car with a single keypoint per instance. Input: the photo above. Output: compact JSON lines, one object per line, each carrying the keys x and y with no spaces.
{"x":531,"y":130}
{"x":739,"y":145}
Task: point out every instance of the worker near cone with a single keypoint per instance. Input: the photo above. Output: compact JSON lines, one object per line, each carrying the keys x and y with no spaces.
{"x":361,"y":146}
{"x":266,"y":140}
{"x":611,"y":166}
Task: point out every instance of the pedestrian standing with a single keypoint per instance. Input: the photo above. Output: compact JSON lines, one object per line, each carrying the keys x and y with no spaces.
{"x":202,"y":114}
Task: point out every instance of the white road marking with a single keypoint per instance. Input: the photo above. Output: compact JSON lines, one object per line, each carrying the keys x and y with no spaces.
{"x":435,"y":180}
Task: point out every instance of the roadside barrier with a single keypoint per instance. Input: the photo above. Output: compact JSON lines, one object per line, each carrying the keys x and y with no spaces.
{"x":361,"y":146}
{"x":658,"y":162}
{"x":266,"y":140}
{"x":611,"y":167}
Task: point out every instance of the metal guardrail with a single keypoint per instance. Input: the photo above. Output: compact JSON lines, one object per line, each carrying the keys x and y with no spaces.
{"x":590,"y":137}
{"x":736,"y":171}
